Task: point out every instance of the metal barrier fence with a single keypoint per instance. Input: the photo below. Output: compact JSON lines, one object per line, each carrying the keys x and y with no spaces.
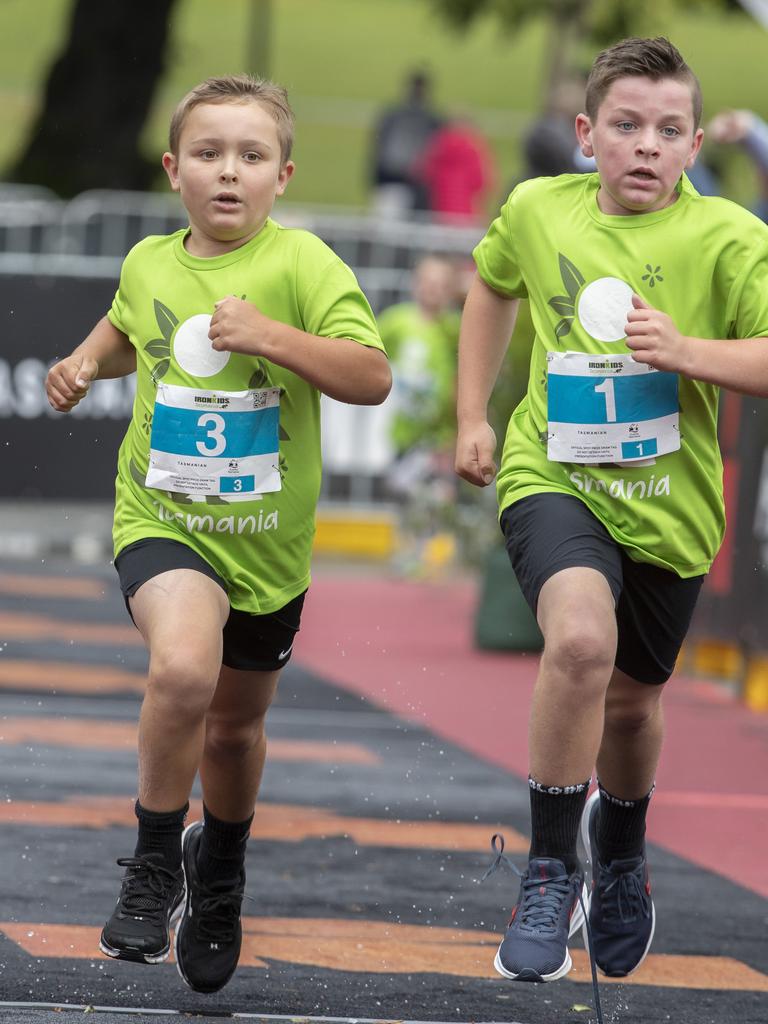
{"x":43,"y":234}
{"x":43,"y":237}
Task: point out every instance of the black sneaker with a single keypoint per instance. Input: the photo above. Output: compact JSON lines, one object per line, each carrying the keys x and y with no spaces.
{"x":547,"y":913}
{"x":139,"y":928}
{"x":621,"y":912}
{"x":208,"y":933}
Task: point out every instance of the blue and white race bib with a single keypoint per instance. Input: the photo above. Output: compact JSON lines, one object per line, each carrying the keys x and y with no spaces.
{"x":222,"y":443}
{"x":609,"y":409}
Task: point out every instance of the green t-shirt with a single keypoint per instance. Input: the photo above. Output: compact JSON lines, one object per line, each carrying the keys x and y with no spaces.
{"x":423,"y":357}
{"x":261,"y":546}
{"x":703,"y":261}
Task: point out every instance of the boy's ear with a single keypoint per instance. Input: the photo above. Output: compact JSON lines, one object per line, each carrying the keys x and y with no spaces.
{"x":695,"y":147}
{"x":286,"y":172}
{"x":584,"y":135}
{"x":171,"y":168}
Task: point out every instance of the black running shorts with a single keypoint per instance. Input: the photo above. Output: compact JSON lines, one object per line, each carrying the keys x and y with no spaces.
{"x":547,"y":532}
{"x":260,"y":643}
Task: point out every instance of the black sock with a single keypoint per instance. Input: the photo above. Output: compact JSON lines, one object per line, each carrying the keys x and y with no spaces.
{"x":620,"y":826}
{"x":555,"y":816}
{"x":221,"y":853}
{"x":160,"y":832}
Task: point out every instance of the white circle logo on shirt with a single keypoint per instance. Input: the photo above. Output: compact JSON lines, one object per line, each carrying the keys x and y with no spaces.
{"x":602,"y":308}
{"x":193,"y":351}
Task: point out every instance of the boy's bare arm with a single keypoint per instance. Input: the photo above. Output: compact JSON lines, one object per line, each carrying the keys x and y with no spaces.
{"x":105,"y":353}
{"x":486,"y":328}
{"x":738,"y":364}
{"x":339,"y":367}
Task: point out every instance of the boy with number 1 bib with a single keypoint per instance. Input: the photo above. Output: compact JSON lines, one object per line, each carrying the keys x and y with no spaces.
{"x":218,"y":479}
{"x":646,"y":298}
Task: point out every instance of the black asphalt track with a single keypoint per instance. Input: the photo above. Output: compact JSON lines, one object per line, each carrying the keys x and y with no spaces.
{"x":346,"y":922}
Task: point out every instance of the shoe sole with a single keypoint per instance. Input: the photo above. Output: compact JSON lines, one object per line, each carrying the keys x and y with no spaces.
{"x":527,"y":973}
{"x":134,"y":956}
{"x":181,"y":909}
{"x":584,"y":828}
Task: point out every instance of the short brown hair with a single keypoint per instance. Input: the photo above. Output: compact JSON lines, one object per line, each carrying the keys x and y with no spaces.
{"x":237,"y":89}
{"x":651,"y":58}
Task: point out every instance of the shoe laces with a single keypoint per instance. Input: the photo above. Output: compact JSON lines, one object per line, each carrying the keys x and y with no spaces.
{"x":146,"y":884}
{"x":623,"y":893}
{"x":217,"y":911}
{"x":542,"y":901}
{"x":542,"y":910}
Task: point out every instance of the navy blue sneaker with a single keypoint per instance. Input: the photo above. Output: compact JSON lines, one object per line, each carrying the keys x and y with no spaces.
{"x":139,"y":928}
{"x":209,"y":933}
{"x":621,"y":913}
{"x":547,"y":913}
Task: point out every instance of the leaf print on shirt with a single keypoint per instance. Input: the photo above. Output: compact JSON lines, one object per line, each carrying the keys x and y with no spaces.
{"x":160,"y":348}
{"x":565,"y":305}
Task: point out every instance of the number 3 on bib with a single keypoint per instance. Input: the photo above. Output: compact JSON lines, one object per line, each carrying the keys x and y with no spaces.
{"x":215,"y":443}
{"x":214,"y":434}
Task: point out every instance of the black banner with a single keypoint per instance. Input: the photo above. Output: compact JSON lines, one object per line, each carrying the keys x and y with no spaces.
{"x":45,"y":454}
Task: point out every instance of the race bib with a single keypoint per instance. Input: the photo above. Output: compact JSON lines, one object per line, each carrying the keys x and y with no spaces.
{"x":609,"y":409}
{"x":215,"y":443}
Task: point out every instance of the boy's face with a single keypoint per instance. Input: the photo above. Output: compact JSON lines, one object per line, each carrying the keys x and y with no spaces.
{"x":433,"y":285}
{"x":229,"y":172}
{"x":642,"y":140}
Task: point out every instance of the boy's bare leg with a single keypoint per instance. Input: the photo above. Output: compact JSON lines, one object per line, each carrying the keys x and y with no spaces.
{"x":632,"y":737}
{"x":577,"y":618}
{"x":181,"y":615}
{"x":235,"y":742}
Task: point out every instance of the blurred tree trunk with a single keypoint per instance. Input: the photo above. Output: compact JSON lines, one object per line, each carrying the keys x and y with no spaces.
{"x":97,"y":98}
{"x":565,"y":38}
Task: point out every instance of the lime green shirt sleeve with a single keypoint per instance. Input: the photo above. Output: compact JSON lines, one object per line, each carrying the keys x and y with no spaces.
{"x":496,"y":256}
{"x":747,"y":310}
{"x":334,"y":306}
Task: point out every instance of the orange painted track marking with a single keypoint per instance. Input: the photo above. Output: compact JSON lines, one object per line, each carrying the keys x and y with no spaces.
{"x":68,"y":677}
{"x":374,"y":947}
{"x":16,"y":626}
{"x":109,"y":735}
{"x":283,"y":822}
{"x":735,"y":801}
{"x":52,"y":586}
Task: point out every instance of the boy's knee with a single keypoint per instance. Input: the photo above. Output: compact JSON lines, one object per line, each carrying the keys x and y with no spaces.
{"x":183,"y":682}
{"x":580,"y":650}
{"x":632,"y":716}
{"x":227,"y":737}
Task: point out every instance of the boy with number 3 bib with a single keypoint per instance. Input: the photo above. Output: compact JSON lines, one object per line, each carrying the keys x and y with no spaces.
{"x":646,"y":298}
{"x":218,"y":479}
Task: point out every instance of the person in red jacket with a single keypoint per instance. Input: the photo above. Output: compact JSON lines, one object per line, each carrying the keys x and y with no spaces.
{"x":458,"y":171}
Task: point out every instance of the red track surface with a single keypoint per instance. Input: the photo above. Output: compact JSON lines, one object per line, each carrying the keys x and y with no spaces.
{"x":408,"y":647}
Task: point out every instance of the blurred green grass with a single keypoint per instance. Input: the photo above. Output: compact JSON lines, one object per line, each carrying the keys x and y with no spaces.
{"x":343,"y":60}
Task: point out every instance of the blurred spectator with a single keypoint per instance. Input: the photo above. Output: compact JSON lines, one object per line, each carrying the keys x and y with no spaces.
{"x":400,"y":135}
{"x":746,"y":129}
{"x":458,"y":172}
{"x":421,"y":339}
{"x":550,"y":146}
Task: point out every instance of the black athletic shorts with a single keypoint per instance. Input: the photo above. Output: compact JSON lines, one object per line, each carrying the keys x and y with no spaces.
{"x":251,"y":642}
{"x":546,"y":532}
